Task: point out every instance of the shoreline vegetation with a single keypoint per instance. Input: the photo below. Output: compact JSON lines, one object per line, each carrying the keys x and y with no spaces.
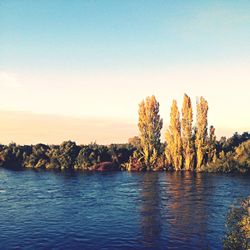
{"x":187,"y":147}
{"x":238,"y":226}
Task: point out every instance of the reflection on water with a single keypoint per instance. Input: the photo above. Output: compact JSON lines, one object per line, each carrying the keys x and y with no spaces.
{"x":51,"y":210}
{"x":150,"y":210}
{"x":185,"y":210}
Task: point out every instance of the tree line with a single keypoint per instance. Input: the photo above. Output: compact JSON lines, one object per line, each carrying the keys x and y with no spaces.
{"x":66,"y":156}
{"x":188,"y":146}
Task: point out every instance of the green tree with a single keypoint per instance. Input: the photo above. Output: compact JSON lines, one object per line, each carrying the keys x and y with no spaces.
{"x":238,"y":227}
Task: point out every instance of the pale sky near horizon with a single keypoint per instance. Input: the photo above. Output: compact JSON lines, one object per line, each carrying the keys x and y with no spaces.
{"x":78,"y":69}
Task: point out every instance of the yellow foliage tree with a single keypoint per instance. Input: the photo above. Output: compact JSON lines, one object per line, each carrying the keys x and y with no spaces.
{"x":212,"y":145}
{"x":186,"y":130}
{"x":150,"y":125}
{"x":201,"y":132}
{"x":173,"y":149}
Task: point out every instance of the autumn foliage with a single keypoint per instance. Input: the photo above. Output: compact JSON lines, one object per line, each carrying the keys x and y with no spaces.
{"x":201,"y":132}
{"x":187,"y":135}
{"x":173,"y":137}
{"x":186,"y":147}
{"x":150,"y":125}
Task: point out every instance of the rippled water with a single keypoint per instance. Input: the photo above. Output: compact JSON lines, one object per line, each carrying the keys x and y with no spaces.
{"x":116,"y":210}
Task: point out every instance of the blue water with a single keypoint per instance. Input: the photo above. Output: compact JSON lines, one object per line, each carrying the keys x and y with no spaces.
{"x":115,"y":210}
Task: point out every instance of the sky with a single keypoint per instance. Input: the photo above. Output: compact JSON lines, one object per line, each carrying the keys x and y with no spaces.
{"x":76,"y":70}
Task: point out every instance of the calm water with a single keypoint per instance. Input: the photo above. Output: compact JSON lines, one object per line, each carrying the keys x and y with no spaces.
{"x":118,"y":210}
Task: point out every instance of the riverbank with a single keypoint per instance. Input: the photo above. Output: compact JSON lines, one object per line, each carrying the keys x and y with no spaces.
{"x":232,"y":155}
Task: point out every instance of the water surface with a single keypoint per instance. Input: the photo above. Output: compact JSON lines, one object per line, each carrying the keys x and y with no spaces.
{"x":115,"y":210}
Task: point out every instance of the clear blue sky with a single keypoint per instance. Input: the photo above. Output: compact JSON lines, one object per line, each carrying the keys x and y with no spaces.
{"x":100,"y":58}
{"x":87,"y":35}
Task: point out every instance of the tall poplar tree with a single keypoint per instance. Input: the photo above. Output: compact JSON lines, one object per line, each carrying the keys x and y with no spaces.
{"x":173,"y":149}
{"x":201,"y":132}
{"x":211,"y":145}
{"x":186,"y":130}
{"x":150,"y":125}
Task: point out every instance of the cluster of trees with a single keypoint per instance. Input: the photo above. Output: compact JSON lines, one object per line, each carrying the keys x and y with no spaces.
{"x":186,"y":146}
{"x":68,"y":155}
{"x":235,"y":160}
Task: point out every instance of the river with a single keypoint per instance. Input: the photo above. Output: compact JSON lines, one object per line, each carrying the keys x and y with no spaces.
{"x":115,"y":210}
